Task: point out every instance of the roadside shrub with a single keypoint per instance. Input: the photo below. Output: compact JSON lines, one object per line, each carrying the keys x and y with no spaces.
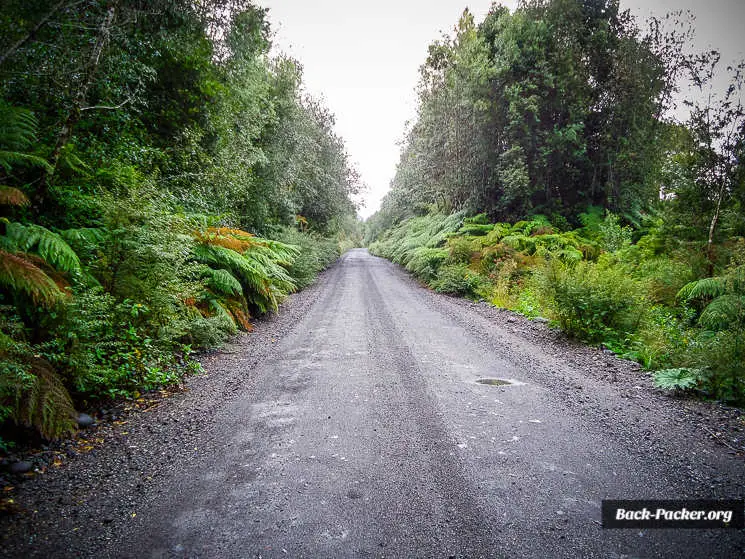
{"x":457,"y":279}
{"x":592,"y":302}
{"x":316,"y":254}
{"x":425,"y":262}
{"x":720,"y":358}
{"x":528,"y":302}
{"x":663,"y":338}
{"x":502,"y":284}
{"x":677,"y":379}
{"x":664,"y":277}
{"x":460,"y":250}
{"x":493,"y":257}
{"x":613,"y":235}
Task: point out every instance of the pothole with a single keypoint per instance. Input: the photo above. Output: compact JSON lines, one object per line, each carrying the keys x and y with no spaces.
{"x":494,"y":381}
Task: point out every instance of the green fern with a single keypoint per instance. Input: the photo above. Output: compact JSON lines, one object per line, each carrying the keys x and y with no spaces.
{"x":50,"y":246}
{"x":45,"y":405}
{"x":259,"y":268}
{"x":725,"y":297}
{"x":17,"y":134}
{"x":9,"y":159}
{"x":17,"y":127}
{"x":83,"y":235}
{"x":724,"y":312}
{"x":31,"y":393}
{"x":703,"y":288}
{"x":223,"y":282}
{"x":220,"y":310}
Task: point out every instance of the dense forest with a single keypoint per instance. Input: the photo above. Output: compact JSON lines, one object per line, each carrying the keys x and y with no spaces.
{"x":164,"y":179}
{"x":549,"y":171}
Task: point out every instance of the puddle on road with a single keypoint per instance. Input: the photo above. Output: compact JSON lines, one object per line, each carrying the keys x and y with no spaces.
{"x":494,"y":381}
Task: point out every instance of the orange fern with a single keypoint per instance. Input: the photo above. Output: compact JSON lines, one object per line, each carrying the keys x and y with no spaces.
{"x":240,"y":315}
{"x":301,"y":222}
{"x":233,"y":239}
{"x":19,"y":273}
{"x":10,"y":196}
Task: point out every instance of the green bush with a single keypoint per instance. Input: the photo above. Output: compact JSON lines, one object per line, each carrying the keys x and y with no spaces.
{"x":425,"y":262}
{"x":614,"y":236}
{"x":460,"y":250}
{"x":663,"y":338}
{"x":591,"y":301}
{"x":664,"y":277}
{"x":316,"y":254}
{"x":457,"y":279}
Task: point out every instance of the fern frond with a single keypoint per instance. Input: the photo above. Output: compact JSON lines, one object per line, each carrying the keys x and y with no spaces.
{"x":18,"y":273}
{"x":263,"y":279}
{"x":723,"y":312}
{"x":50,"y":246}
{"x":240,"y":314}
{"x":45,"y":405}
{"x":10,"y":196}
{"x":83,"y":235}
{"x":703,"y":288}
{"x":222,"y":281}
{"x":10,"y":158}
{"x":68,"y":159}
{"x":234,"y":262}
{"x":233,"y":239}
{"x":17,"y":127}
{"x":281,"y":252}
{"x":219,"y":309}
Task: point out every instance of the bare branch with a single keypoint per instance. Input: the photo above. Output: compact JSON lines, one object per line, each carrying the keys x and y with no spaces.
{"x":107,"y":107}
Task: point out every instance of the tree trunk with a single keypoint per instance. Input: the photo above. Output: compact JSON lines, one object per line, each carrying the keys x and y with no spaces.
{"x":32,"y":33}
{"x":712,"y":228}
{"x":74,"y":116}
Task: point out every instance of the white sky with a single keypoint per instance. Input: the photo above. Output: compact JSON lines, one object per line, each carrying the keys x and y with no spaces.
{"x":362,"y":58}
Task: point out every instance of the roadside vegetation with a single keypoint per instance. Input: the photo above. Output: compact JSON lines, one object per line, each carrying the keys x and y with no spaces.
{"x":547,"y":173}
{"x":163,"y":181}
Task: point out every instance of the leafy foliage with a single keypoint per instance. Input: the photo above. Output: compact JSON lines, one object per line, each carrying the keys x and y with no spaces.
{"x":141,"y":196}
{"x":677,"y":379}
{"x":50,"y":246}
{"x":591,"y":301}
{"x":595,"y":204}
{"x":20,"y":274}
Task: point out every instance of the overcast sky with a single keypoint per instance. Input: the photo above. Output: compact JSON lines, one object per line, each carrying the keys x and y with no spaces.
{"x":363,"y":58}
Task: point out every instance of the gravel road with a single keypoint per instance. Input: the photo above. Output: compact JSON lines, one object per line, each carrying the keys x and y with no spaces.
{"x":353,"y":425}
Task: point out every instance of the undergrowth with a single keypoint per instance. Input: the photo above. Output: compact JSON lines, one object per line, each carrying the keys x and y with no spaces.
{"x":595,"y":284}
